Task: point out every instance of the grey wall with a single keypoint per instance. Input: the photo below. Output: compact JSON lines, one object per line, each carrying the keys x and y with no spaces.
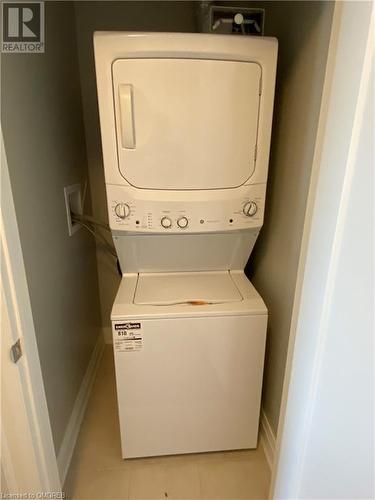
{"x":303,"y":30}
{"x":45,"y":145}
{"x":126,"y":16}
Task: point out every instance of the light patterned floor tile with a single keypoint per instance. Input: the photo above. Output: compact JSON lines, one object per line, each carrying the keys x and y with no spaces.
{"x":91,"y":484}
{"x":183,"y":481}
{"x":161,"y":481}
{"x":234,"y":480}
{"x":147,"y":482}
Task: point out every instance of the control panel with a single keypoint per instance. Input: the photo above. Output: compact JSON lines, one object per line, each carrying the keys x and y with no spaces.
{"x":150,"y":211}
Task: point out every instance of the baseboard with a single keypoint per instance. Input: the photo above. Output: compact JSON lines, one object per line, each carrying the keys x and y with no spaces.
{"x":267,"y":439}
{"x":71,"y":434}
{"x":107,"y":333}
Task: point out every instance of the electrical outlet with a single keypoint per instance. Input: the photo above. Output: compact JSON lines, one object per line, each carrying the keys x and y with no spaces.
{"x":73,"y":204}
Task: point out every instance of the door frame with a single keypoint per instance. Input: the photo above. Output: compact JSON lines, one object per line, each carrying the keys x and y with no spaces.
{"x":330,"y":184}
{"x":18,"y":307}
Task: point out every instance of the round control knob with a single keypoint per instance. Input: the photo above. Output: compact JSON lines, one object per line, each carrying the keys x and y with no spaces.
{"x":250,"y":208}
{"x":166,"y":222}
{"x":122,"y":210}
{"x":182,"y":222}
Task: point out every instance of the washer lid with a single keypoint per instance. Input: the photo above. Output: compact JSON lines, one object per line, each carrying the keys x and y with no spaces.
{"x":195,"y":288}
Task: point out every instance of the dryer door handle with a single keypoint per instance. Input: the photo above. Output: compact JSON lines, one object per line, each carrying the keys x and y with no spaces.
{"x":127,"y":116}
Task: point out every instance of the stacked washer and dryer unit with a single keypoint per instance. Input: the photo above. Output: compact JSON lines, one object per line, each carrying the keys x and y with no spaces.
{"x":186,"y":124}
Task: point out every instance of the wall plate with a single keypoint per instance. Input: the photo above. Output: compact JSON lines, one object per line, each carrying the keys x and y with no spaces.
{"x":73,"y":204}
{"x":236,"y":20}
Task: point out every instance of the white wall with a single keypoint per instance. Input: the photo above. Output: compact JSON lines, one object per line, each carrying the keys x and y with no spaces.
{"x":303,"y":30}
{"x":125,"y":16}
{"x":340,"y":447}
{"x":45,"y":145}
{"x":326,"y":438}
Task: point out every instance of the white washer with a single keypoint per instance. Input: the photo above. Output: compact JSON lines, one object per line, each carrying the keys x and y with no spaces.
{"x":189,"y":377}
{"x":186,"y":123}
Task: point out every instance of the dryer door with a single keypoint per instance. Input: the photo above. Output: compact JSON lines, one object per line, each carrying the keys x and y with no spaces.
{"x":186,"y":123}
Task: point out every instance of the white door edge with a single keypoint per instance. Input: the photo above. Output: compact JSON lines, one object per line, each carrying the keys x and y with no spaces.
{"x":295,"y":420}
{"x":19,"y":309}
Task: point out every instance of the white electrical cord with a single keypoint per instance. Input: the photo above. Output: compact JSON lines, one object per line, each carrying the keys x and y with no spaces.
{"x":84,"y":194}
{"x":91,"y":220}
{"x":98,"y":236}
{"x":82,"y":219}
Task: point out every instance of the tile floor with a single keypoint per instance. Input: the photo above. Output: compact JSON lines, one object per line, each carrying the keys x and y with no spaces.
{"x":98,"y":472}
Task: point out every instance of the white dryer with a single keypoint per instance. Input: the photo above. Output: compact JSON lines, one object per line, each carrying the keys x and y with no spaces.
{"x":186,"y":123}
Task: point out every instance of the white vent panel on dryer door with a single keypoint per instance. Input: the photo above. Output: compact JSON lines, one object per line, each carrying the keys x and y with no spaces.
{"x":186,"y":123}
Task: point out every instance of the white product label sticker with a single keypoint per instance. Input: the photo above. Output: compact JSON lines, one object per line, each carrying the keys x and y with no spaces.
{"x":127,"y":336}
